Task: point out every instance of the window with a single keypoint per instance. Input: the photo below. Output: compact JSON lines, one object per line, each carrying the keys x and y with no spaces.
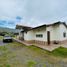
{"x":64,"y":34}
{"x":39,"y":35}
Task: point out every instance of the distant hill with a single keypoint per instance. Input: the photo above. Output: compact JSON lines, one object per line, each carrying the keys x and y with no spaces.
{"x":4,"y":29}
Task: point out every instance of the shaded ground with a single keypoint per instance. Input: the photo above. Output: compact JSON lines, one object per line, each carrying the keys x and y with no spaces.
{"x":18,"y":55}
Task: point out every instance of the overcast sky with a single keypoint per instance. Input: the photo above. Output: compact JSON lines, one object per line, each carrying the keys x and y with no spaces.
{"x":32,"y":12}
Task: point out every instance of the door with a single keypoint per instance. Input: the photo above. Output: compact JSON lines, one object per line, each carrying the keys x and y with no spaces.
{"x":48,"y":37}
{"x":22,"y":35}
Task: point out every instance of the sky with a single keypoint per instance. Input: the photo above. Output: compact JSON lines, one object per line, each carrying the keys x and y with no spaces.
{"x":32,"y":12}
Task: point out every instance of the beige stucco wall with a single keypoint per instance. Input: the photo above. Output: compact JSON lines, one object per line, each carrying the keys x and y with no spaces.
{"x":29,"y":35}
{"x":43,"y":32}
{"x":56,"y":33}
{"x":62,"y":30}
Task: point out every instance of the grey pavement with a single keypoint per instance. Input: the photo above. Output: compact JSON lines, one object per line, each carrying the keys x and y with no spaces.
{"x":1,"y":43}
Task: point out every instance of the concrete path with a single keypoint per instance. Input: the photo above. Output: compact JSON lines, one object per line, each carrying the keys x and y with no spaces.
{"x":64,"y":45}
{"x":22,"y":42}
{"x":49,"y":48}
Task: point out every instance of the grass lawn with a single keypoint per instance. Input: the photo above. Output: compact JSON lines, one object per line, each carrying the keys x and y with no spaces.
{"x":18,"y":55}
{"x":61,"y":52}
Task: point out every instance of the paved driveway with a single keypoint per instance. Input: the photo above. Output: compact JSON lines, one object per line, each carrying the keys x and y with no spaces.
{"x":1,"y":43}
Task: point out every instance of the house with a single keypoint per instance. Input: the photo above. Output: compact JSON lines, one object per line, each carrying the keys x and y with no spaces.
{"x":46,"y":34}
{"x":21,"y":29}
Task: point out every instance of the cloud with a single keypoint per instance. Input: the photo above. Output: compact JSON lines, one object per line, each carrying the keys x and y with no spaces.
{"x":32,"y":12}
{"x":39,"y":12}
{"x":7,"y":23}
